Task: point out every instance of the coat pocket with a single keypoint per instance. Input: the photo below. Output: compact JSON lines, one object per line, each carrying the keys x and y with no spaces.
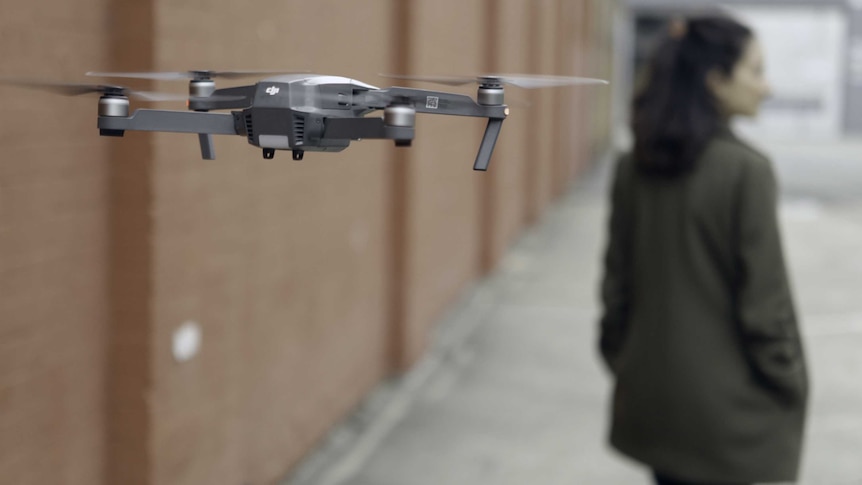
{"x":778,"y":365}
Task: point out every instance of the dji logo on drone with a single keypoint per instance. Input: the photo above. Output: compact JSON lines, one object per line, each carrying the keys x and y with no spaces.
{"x":272,"y":90}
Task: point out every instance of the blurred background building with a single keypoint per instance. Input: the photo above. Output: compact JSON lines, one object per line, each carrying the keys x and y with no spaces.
{"x":170,"y":320}
{"x":813,"y":60}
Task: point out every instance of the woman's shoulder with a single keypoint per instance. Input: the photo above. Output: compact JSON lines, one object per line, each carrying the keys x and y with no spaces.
{"x":625,"y":162}
{"x":731,"y":151}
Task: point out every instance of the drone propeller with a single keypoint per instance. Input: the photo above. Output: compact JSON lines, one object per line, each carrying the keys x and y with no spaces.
{"x":202,"y":75}
{"x":528,"y":81}
{"x":74,"y":89}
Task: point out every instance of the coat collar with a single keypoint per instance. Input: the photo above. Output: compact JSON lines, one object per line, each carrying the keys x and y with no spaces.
{"x":724,"y":129}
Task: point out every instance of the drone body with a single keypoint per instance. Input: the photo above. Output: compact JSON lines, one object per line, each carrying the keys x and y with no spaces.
{"x":303,"y":112}
{"x":306,"y":113}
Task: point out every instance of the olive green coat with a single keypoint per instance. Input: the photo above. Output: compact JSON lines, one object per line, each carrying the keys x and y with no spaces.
{"x":699,"y":328}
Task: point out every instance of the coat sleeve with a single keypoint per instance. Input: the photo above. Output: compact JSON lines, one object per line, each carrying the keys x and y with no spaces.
{"x":616,"y":281}
{"x":765,"y":308}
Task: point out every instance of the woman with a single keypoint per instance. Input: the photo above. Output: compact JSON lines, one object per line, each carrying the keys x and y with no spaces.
{"x":699,"y":328}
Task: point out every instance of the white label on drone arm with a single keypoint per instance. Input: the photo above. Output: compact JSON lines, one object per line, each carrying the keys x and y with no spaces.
{"x":431,"y":102}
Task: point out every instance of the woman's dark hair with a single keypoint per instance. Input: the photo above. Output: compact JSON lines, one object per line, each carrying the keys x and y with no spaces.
{"x":675,"y":114}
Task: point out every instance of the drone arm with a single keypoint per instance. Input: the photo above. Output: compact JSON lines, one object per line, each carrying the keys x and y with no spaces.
{"x":438,"y":102}
{"x":204,"y":124}
{"x":171,"y":121}
{"x":434,"y":102}
{"x":370,"y":128}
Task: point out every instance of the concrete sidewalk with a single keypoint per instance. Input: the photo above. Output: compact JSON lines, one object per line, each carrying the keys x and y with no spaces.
{"x":513,"y":393}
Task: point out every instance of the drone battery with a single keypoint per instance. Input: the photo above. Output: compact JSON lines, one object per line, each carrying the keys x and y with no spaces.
{"x":282,"y":142}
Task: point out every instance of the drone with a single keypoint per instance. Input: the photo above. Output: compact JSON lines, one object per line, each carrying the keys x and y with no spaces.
{"x":301,"y":112}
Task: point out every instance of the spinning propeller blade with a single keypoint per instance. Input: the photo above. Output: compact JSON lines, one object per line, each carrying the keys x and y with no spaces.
{"x":66,"y":89}
{"x":193,"y":75}
{"x":528,"y":81}
{"x":76,"y":89}
{"x":535,"y":81}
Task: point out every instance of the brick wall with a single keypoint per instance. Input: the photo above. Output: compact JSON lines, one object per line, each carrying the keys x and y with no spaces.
{"x":505,"y":200}
{"x":281,"y":263}
{"x":442,"y":219}
{"x":53,"y":241}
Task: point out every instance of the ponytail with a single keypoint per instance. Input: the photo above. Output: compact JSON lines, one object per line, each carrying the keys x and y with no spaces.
{"x":675,"y":114}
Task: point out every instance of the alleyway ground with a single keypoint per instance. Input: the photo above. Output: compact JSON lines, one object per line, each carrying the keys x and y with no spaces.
{"x":512,"y":392}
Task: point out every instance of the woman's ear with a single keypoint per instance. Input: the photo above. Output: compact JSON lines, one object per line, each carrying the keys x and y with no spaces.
{"x":716,"y":82}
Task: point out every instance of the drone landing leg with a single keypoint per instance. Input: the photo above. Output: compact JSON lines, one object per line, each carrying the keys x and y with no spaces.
{"x":492,"y":131}
{"x":207,"y":147}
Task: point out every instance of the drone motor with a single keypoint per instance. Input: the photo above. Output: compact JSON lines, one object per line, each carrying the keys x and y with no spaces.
{"x":490,"y":93}
{"x":201,"y":88}
{"x":113,"y":102}
{"x":113,"y":105}
{"x":402,"y":116}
